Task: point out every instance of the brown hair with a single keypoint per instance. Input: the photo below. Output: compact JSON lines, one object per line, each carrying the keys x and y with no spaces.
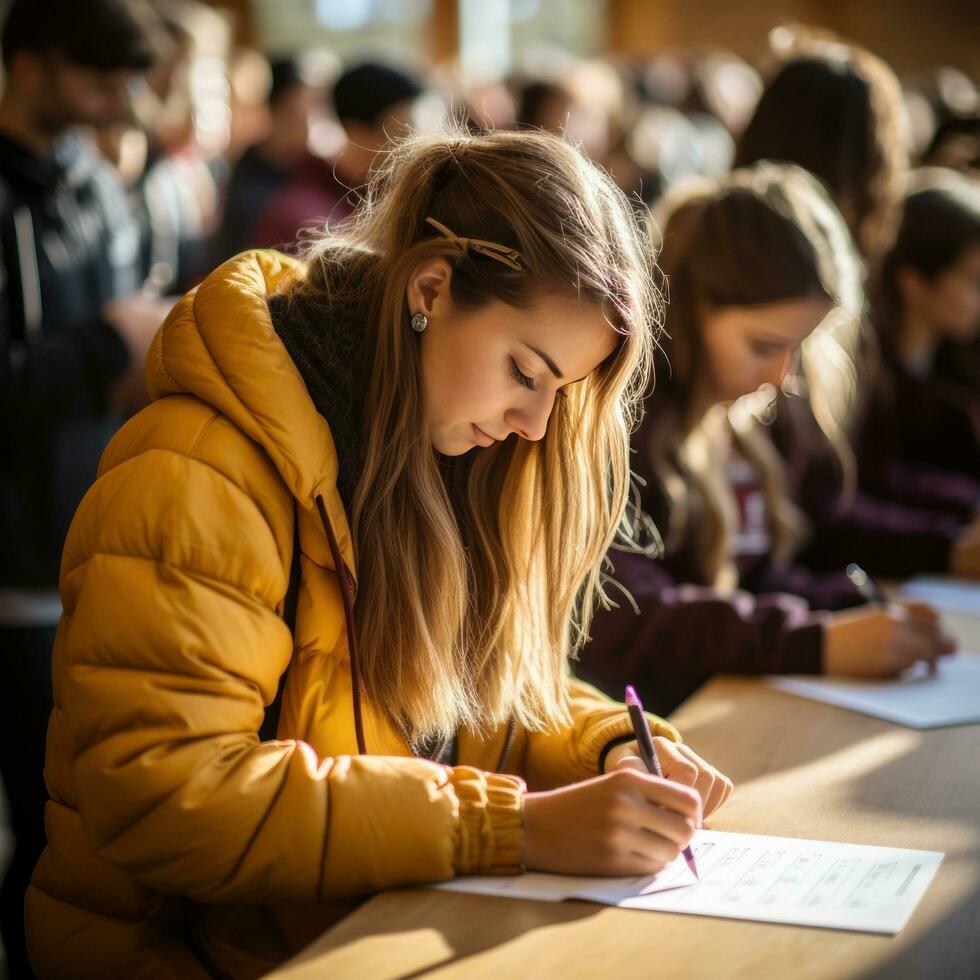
{"x":477,"y":581}
{"x":940,"y":222}
{"x":836,"y":110}
{"x":761,"y":235}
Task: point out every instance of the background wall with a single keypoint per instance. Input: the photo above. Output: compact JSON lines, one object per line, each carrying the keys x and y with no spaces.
{"x":910,"y":34}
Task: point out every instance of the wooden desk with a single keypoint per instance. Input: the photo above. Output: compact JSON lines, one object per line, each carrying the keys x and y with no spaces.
{"x":801,"y":769}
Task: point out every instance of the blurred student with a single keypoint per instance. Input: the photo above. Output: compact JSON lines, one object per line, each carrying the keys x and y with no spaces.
{"x":374,"y":105}
{"x":268,"y":165}
{"x":582,"y":100}
{"x":443,"y":391}
{"x":71,"y":327}
{"x":836,"y":110}
{"x":184,"y":111}
{"x":952,"y":127}
{"x":764,"y":283}
{"x":920,"y":428}
{"x":543,"y":104}
{"x":170,"y":184}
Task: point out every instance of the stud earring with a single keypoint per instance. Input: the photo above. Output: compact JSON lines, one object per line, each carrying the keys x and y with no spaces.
{"x":419,"y":322}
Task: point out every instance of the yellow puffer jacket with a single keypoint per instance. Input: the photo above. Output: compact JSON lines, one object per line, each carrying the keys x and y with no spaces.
{"x":171,"y":827}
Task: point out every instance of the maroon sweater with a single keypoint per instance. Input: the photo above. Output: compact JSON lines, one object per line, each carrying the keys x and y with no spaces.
{"x":682,"y":631}
{"x":891,"y":539}
{"x":685,"y":634}
{"x":918,"y":439}
{"x":685,"y":631}
{"x":315,"y":197}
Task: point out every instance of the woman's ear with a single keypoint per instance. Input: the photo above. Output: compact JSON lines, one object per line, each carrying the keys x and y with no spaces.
{"x":428,"y":288}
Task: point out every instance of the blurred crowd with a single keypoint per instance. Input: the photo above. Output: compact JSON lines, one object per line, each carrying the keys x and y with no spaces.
{"x":139,"y":149}
{"x":219,"y":148}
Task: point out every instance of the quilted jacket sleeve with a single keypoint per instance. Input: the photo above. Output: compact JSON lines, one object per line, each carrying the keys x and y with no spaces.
{"x":572,"y":754}
{"x":172,"y":580}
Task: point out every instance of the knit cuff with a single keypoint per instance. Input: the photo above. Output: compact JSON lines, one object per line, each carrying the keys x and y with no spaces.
{"x":802,"y":651}
{"x":620,"y":730}
{"x":490,"y":837}
{"x":609,"y":746}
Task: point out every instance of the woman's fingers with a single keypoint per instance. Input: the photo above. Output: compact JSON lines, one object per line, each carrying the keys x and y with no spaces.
{"x":920,"y":610}
{"x":713,"y":787}
{"x":929,"y":629}
{"x":720,"y":792}
{"x":914,"y":644}
{"x":674,"y":763}
{"x":729,"y":789}
{"x":633,"y":762}
{"x":705,"y":782}
{"x":651,"y":832}
{"x":684,"y":767}
{"x":659,"y":822}
{"x":924,"y":621}
{"x":665,"y":793}
{"x":626,"y":864}
{"x":652,"y":847}
{"x":704,"y":785}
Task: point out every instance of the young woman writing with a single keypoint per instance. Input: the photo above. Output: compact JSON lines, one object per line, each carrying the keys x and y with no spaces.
{"x":920,"y":430}
{"x":836,"y":110}
{"x":765,"y":294}
{"x":428,"y":422}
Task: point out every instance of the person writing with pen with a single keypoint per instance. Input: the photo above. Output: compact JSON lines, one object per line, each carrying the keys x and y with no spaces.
{"x":382,"y":480}
{"x":764,"y":320}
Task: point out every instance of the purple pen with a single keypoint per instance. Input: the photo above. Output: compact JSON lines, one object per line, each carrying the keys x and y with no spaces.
{"x":649,"y":754}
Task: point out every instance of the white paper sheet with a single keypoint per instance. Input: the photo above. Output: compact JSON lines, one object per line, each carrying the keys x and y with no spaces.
{"x":744,"y":876}
{"x":916,"y":699}
{"x":946,"y":594}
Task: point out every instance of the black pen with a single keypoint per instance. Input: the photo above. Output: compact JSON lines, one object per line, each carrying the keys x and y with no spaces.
{"x":649,"y":754}
{"x":869,"y":589}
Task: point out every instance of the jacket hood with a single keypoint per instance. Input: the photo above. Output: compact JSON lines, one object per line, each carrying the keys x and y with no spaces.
{"x":219,"y":344}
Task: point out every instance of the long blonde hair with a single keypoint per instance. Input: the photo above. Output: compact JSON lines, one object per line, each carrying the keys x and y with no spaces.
{"x":759,"y":235}
{"x":477,"y":579}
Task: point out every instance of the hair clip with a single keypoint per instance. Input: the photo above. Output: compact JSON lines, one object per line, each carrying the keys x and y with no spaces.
{"x":502,"y":253}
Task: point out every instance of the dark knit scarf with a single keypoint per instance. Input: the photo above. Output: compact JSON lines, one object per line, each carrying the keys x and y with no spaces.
{"x":329,"y":355}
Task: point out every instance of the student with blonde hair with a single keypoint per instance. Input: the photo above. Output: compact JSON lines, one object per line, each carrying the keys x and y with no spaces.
{"x":763,"y":321}
{"x":383,"y":479}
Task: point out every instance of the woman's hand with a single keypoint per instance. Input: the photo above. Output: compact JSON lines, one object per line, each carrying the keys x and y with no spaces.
{"x":623,"y":823}
{"x":883,"y":642}
{"x":680,"y":764}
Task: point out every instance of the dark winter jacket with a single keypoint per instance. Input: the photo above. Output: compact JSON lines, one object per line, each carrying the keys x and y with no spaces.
{"x":68,"y":244}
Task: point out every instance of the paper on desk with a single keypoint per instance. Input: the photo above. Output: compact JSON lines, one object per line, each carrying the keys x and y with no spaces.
{"x":744,"y":876}
{"x":916,"y":699}
{"x":946,"y":594}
